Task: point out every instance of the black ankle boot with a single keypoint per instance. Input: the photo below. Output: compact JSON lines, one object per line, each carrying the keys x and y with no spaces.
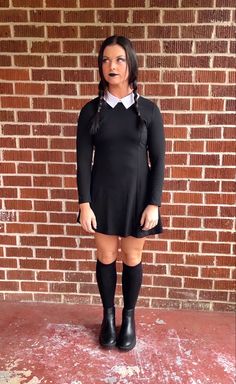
{"x":127,"y":336}
{"x":107,"y":336}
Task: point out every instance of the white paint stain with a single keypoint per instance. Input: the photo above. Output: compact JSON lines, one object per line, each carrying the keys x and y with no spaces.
{"x":159,"y":321}
{"x":126,"y":371}
{"x":224,"y":362}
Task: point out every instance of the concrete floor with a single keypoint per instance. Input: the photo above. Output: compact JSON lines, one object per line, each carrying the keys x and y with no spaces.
{"x":57,"y":343}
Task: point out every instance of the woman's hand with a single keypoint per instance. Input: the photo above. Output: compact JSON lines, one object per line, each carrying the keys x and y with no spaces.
{"x":87,"y":218}
{"x":149,"y":217}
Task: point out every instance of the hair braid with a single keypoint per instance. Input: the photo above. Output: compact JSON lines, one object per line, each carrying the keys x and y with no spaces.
{"x":141,"y":123}
{"x":96,"y":119}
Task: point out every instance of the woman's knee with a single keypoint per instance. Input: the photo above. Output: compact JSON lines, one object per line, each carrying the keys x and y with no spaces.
{"x":132,"y":258}
{"x":131,"y":249}
{"x":107,"y":248}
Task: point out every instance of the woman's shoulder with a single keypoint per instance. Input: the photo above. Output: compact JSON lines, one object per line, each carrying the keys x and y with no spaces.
{"x":90,"y":106}
{"x":147,"y":104}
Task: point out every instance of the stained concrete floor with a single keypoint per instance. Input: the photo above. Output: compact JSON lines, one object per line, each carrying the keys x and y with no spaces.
{"x":57,"y":343}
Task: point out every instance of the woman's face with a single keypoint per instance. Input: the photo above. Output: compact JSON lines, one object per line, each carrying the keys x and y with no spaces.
{"x":114,"y":66}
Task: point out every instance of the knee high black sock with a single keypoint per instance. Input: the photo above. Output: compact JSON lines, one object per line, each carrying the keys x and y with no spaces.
{"x":106,"y":278}
{"x":131,"y":284}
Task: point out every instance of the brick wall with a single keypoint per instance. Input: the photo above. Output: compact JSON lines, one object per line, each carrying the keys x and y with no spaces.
{"x":48,"y":71}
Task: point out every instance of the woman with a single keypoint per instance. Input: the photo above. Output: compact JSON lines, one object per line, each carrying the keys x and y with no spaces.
{"x":120,"y":193}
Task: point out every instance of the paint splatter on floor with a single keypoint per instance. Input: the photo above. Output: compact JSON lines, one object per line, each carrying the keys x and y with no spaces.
{"x":44,"y":351}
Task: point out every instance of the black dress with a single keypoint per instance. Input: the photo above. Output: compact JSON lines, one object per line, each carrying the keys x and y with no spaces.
{"x":127,"y":171}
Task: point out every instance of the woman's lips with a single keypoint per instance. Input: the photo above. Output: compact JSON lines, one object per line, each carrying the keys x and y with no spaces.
{"x":113,"y":74}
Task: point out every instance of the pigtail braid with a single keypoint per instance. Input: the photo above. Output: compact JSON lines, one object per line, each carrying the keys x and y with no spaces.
{"x":96,"y":119}
{"x":141,"y":123}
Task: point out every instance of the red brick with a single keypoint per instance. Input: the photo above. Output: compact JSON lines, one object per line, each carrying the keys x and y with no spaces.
{"x":216,"y":248}
{"x":161,"y":61}
{"x":66,"y":242}
{"x":207,"y":133}
{"x":187,"y":198}
{"x":169,"y":281}
{"x":95,"y":4}
{"x":33,"y":264}
{"x":230,"y":105}
{"x":19,"y":228}
{"x":20,"y":275}
{"x":158,"y":31}
{"x":45,"y":46}
{"x":33,"y":143}
{"x":220,"y":199}
{"x":5,"y":61}
{"x":223,"y":90}
{"x":175,"y":158}
{"x":228,"y":186}
{"x":225,"y":62}
{"x":175,"y":104}
{"x":176,"y":46}
{"x":148,"y":16}
{"x":131,"y":4}
{"x":28,"y":3}
{"x":46,"y":75}
{"x":218,"y":46}
{"x":220,"y":146}
{"x":192,"y":90}
{"x":215,"y":272}
{"x":29,"y":61}
{"x":196,"y":31}
{"x":94,"y":32}
{"x":8,"y":263}
{"x":113,"y":16}
{"x":185,"y":222}
{"x":219,"y":173}
{"x":45,"y":16}
{"x":29,"y":116}
{"x":204,"y":159}
{"x":228,"y":211}
{"x":224,"y":307}
{"x":6,"y":88}
{"x":184,"y":270}
{"x":34,"y":193}
{"x":178,"y":16}
{"x":201,"y":235}
{"x":195,"y":62}
{"x":33,"y":241}
{"x":62,"y":31}
{"x":62,"y":61}
{"x":15,"y":102}
{"x":132,"y":32}
{"x":17,"y":180}
{"x":209,"y":16}
{"x":28,"y":30}
{"x":49,"y":276}
{"x":191,"y":119}
{"x":29,"y":88}
{"x":177,"y":76}
{"x":71,"y":46}
{"x":9,"y":286}
{"x":34,"y":286}
{"x":182,"y":294}
{"x":179,"y":246}
{"x":78,"y":277}
{"x":210,"y":76}
{"x":218,"y":223}
{"x":186,"y":172}
{"x":199,"y":260}
{"x":212,"y":295}
{"x":225,"y":284}
{"x":196,"y":210}
{"x":208,"y":104}
{"x":47,"y":181}
{"x":198,"y":283}
{"x":13,"y":16}
{"x":198,"y":3}
{"x":159,"y":89}
{"x":47,"y":103}
{"x":225,"y":31}
{"x":14,"y":74}
{"x":58,"y":4}
{"x":33,"y":217}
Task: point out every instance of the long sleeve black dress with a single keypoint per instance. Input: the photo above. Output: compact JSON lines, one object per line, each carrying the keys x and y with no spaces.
{"x":122,"y":181}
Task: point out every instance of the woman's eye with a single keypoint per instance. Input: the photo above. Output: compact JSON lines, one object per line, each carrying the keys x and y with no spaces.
{"x":104,"y":60}
{"x":121,"y":59}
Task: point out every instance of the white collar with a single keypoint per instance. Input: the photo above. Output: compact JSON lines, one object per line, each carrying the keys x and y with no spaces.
{"x":112,"y":100}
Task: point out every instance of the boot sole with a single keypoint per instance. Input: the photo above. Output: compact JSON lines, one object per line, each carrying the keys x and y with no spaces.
{"x":127,"y":349}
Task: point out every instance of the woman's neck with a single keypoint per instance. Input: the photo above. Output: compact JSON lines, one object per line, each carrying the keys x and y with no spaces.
{"x":120,"y":92}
